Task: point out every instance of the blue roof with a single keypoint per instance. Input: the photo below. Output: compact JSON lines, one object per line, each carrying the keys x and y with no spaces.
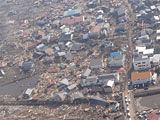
{"x":72,"y":12}
{"x":113,"y":54}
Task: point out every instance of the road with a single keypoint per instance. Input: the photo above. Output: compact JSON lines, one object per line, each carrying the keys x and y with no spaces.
{"x":129,"y":95}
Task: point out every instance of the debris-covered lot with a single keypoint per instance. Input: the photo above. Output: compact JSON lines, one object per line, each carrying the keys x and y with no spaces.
{"x":82,"y":55}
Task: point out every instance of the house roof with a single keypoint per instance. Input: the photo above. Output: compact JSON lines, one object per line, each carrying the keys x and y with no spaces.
{"x":140,"y":75}
{"x":89,"y":81}
{"x":116,"y":63}
{"x":146,"y":41}
{"x":158,"y":31}
{"x":148,"y":51}
{"x":72,"y":12}
{"x":29,"y":91}
{"x":140,"y":49}
{"x":95,"y":62}
{"x":41,"y":47}
{"x":157,"y":51}
{"x":156,"y":17}
{"x":87,"y":72}
{"x":76,"y":47}
{"x":72,"y":86}
{"x":26,"y":66}
{"x":111,"y":76}
{"x":73,"y":20}
{"x":95,"y":29}
{"x":110,"y":83}
{"x":120,"y":11}
{"x":85,"y":36}
{"x":97,"y":98}
{"x":65,"y":81}
{"x":113,"y":54}
{"x":158,"y":38}
{"x":78,"y":95}
{"x":61,"y":95}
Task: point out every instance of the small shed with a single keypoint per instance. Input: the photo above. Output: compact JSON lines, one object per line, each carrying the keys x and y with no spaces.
{"x":28,"y":92}
{"x":71,"y":87}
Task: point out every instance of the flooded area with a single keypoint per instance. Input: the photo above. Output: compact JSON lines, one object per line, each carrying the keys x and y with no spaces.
{"x":16,"y":88}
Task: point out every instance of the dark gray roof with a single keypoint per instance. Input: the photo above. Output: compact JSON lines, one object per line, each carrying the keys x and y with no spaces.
{"x":58,"y":97}
{"x":89,"y":81}
{"x":78,"y":95}
{"x":72,"y":86}
{"x":95,"y":62}
{"x":120,"y":11}
{"x":106,"y":77}
{"x":119,"y":117}
{"x":146,"y":41}
{"x":116,"y":63}
{"x":96,"y":100}
{"x":139,"y":58}
{"x":76,"y":47}
{"x":65,"y":38}
{"x":157,"y":51}
{"x":120,"y":57}
{"x":26,"y":66}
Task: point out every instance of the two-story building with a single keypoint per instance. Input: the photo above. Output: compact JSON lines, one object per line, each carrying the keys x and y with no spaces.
{"x":96,"y":63}
{"x":141,"y":78}
{"x":100,"y":80}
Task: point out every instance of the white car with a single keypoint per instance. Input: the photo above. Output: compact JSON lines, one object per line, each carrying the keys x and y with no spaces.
{"x":129,"y":100}
{"x":140,"y":116}
{"x":126,"y":104}
{"x":128,"y":91}
{"x":144,"y":112}
{"x":125,"y":97}
{"x":129,"y":115}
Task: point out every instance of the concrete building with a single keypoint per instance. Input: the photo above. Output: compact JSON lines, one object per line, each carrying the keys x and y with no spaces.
{"x":155,"y":60}
{"x":89,"y":81}
{"x":141,"y":63}
{"x":141,"y":78}
{"x":100,"y":80}
{"x":106,"y":77}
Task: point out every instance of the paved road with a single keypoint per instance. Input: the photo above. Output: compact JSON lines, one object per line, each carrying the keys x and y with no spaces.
{"x":131,"y":20}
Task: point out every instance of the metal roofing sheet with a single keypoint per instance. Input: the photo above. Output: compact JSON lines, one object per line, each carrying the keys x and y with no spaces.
{"x":140,"y":75}
{"x":72,"y":12}
{"x":113,"y":54}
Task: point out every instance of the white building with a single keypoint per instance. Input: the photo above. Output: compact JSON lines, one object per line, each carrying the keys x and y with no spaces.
{"x":145,"y":52}
{"x":155,"y":59}
{"x":158,"y":35}
{"x":141,"y":63}
{"x":108,"y":88}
